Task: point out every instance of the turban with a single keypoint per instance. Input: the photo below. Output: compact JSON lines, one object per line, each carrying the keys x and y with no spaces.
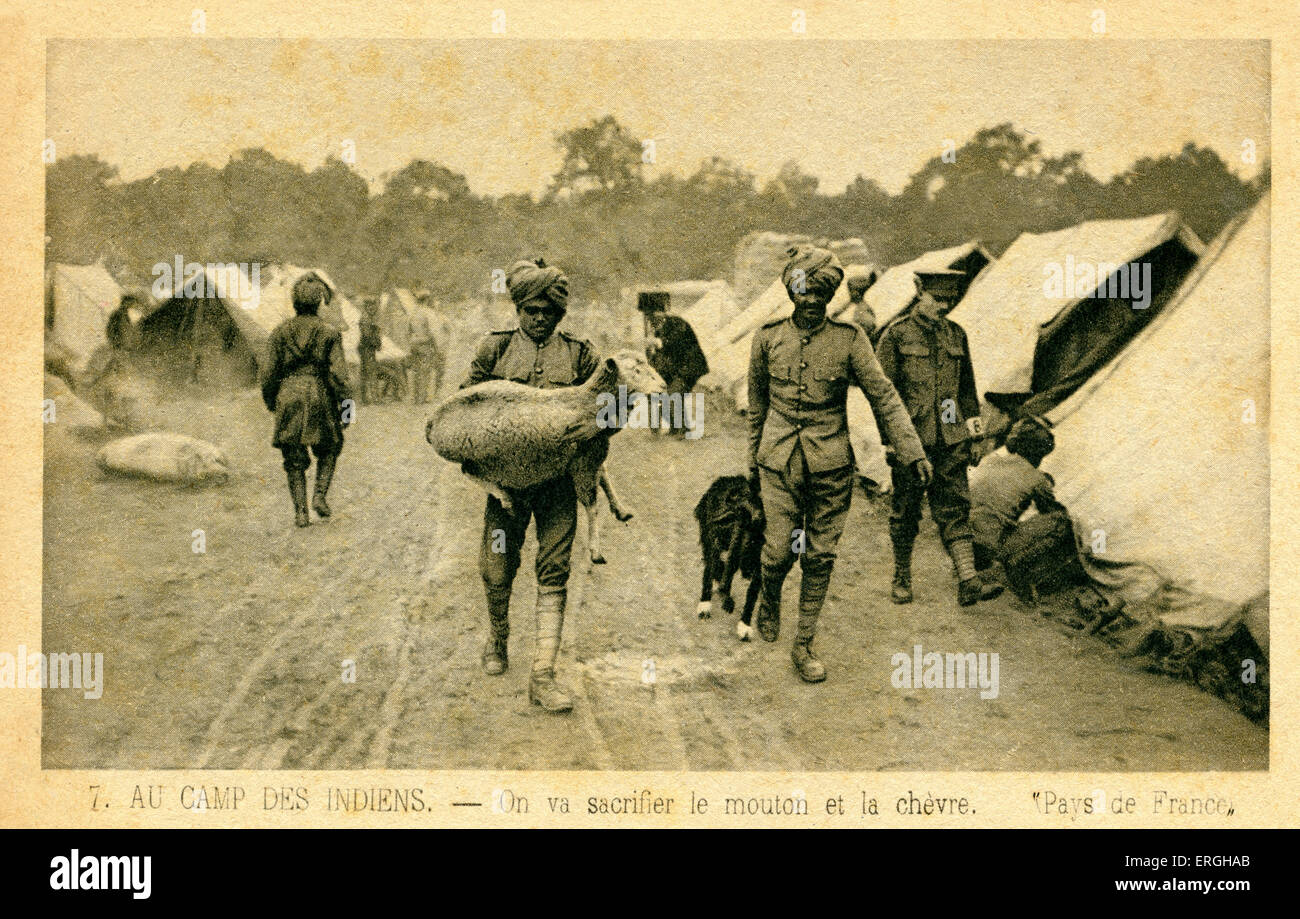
{"x":812,"y":269}
{"x":536,"y":280}
{"x":310,"y":290}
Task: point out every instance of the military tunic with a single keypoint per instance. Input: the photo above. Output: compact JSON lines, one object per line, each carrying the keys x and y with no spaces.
{"x":929,"y":363}
{"x":799,"y":436}
{"x":559,"y":361}
{"x":305,"y":384}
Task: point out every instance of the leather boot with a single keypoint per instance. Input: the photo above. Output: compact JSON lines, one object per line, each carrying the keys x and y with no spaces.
{"x":324,"y":474}
{"x":542,"y":688}
{"x":812,"y":595}
{"x":298,"y":491}
{"x":901,"y":592}
{"x":969,"y":586}
{"x":495,"y":658}
{"x":768,"y":618}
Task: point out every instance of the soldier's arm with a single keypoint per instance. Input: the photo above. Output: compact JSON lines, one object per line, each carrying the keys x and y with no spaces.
{"x":968,"y":398}
{"x":271,"y":376}
{"x":586,"y":363}
{"x":338,"y":370}
{"x":758,"y":395}
{"x":871,"y":378}
{"x":1044,"y":497}
{"x":482,"y":367}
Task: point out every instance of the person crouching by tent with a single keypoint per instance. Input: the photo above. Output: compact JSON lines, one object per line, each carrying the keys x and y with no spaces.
{"x":926,"y":356}
{"x":800,"y":371}
{"x":1025,"y":554}
{"x":306,"y":386}
{"x":673,"y":351}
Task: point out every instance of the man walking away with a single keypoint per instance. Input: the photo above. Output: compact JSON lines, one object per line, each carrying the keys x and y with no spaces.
{"x":425,"y":354}
{"x":306,"y":386}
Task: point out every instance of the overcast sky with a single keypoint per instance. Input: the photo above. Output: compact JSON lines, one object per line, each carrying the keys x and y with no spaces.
{"x":490,"y":108}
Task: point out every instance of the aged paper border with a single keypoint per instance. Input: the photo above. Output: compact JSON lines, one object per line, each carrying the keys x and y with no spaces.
{"x":32,"y":797}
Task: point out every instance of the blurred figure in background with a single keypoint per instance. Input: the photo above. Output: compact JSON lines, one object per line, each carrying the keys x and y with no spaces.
{"x":426,"y":358}
{"x":673,"y":350}
{"x":370,"y":344}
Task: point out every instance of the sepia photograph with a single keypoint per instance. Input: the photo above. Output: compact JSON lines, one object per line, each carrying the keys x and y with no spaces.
{"x":681,"y":405}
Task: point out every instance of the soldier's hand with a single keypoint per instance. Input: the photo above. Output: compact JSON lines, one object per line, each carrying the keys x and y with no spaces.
{"x":924,"y":471}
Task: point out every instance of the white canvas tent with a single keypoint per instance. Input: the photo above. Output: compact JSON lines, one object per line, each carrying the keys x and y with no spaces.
{"x":706,"y":313}
{"x":895,"y":290}
{"x":217,"y":332}
{"x":78,"y":301}
{"x":1165,"y":453}
{"x":1032,"y":344}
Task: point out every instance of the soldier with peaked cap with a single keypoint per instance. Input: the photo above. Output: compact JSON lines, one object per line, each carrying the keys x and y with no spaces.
{"x":800,"y":370}
{"x":926,"y":356}
{"x":534,"y":354}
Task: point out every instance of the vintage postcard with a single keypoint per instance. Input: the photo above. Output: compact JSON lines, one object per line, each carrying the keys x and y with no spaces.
{"x":695,"y":415}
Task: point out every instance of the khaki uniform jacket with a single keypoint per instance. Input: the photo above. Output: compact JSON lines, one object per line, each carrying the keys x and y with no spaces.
{"x":306,"y":381}
{"x":929,"y":364}
{"x":798,"y":386}
{"x":561,"y":360}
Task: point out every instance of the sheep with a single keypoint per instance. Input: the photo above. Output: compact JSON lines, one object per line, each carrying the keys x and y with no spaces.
{"x":166,"y":457}
{"x":507,"y":435}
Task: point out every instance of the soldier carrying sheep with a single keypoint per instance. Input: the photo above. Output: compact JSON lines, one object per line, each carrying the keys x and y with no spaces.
{"x":537,"y":355}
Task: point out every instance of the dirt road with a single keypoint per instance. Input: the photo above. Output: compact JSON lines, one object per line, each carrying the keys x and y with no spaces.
{"x":236,"y":657}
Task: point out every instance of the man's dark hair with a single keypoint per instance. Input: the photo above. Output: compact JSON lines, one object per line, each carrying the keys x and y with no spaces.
{"x":1031,"y":438}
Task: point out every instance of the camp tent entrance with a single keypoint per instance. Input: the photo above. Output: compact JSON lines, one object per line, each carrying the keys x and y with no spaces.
{"x":195,"y":340}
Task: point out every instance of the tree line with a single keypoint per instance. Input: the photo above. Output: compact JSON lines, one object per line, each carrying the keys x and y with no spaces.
{"x":600,"y":218}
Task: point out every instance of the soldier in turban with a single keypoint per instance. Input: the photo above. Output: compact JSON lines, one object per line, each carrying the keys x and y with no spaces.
{"x":534,"y":354}
{"x":800,"y":371}
{"x":306,"y":386}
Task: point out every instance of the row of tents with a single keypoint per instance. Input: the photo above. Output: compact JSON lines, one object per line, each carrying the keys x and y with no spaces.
{"x":212,"y":330}
{"x":1155,"y":376}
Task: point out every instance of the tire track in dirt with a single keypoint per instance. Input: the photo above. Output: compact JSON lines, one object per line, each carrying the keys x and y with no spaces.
{"x":317,"y":622}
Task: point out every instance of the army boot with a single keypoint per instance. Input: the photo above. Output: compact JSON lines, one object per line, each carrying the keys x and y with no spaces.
{"x":812,"y":595}
{"x":324,"y":474}
{"x":495,"y":659}
{"x":768,"y":618}
{"x":542,"y":688}
{"x":901,"y":592}
{"x":969,"y":586}
{"x":298,"y":491}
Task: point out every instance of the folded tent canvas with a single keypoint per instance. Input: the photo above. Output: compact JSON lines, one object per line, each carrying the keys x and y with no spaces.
{"x":1164,"y":453}
{"x":1033,"y":342}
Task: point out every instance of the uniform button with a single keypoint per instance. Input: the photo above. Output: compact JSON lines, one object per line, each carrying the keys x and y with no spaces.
{"x":803,"y":363}
{"x":805,"y":341}
{"x":803,"y":386}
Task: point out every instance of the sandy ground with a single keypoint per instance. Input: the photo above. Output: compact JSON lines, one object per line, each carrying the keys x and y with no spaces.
{"x":235,"y":658}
